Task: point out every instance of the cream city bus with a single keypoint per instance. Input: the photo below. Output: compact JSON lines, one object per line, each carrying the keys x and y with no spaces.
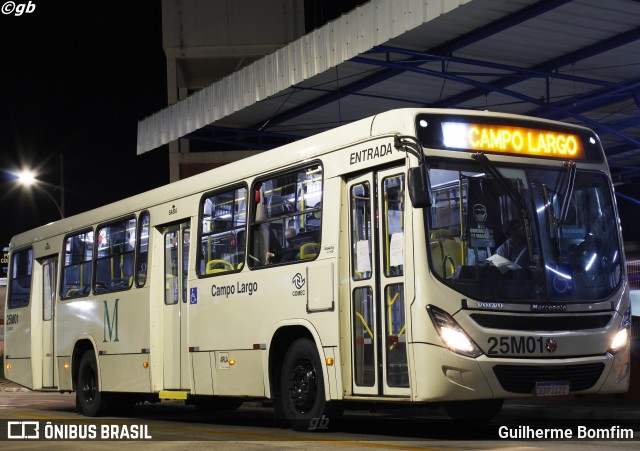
{"x":417,"y":256}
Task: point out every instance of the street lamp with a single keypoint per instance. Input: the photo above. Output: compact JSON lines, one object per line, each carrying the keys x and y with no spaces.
{"x":26,"y":177}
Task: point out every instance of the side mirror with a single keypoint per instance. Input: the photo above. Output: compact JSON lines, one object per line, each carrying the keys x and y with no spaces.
{"x":419,"y":187}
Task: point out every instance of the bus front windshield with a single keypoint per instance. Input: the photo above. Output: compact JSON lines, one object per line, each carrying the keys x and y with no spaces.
{"x":518,"y":234}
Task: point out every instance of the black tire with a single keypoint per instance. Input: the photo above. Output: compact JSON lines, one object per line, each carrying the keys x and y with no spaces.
{"x":474,"y":411}
{"x":302,"y":392}
{"x":89,"y":398}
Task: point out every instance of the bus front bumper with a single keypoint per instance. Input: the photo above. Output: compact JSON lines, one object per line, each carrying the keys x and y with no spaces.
{"x":442,"y":375}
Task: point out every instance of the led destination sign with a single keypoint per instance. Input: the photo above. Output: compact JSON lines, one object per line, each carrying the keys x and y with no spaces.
{"x":512,"y":140}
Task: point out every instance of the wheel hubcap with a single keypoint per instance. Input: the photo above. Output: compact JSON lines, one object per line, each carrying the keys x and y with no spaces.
{"x":89,"y":385}
{"x":303,"y":387}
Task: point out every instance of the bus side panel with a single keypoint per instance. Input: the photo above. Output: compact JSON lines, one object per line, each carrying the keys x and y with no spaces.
{"x":224,"y":308}
{"x":136,"y":378}
{"x":202,"y":375}
{"x":344,"y":293}
{"x":334,"y":387}
{"x":233,"y":315}
{"x":64,"y":373}
{"x":118,"y":326}
{"x":18,"y":352}
{"x":229,"y":365}
{"x":20,"y":372}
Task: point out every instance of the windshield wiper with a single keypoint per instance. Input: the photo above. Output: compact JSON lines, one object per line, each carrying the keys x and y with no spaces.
{"x":568,"y":192}
{"x":554,"y":220}
{"x":516,"y":196}
{"x":551,"y":217}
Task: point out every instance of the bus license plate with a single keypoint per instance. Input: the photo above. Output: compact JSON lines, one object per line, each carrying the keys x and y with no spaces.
{"x":552,"y":388}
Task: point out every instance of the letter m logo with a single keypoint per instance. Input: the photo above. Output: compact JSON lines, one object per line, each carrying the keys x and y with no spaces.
{"x":110,"y":322}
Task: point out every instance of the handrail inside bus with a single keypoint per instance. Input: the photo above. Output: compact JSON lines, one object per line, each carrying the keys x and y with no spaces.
{"x":364,"y":323}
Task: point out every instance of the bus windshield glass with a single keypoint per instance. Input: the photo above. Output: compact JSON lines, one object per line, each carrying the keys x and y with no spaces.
{"x":498,"y":235}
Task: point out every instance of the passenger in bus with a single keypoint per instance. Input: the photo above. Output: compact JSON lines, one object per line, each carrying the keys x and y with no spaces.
{"x":290,"y":233}
{"x":291,"y":251}
{"x":515,"y":247}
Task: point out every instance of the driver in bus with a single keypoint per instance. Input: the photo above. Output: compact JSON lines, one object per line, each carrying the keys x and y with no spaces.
{"x":515,"y":247}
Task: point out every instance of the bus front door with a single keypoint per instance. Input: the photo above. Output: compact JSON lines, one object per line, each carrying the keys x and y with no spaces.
{"x":176,"y":240}
{"x":377,"y":280}
{"x":49,"y":268}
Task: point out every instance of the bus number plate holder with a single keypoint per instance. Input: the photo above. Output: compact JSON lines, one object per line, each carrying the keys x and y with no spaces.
{"x":559,"y":388}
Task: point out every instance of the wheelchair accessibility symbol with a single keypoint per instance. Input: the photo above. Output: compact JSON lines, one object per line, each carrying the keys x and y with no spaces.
{"x":193,"y":295}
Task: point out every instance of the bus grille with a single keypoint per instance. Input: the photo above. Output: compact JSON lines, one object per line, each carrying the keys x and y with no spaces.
{"x":541,"y":322}
{"x":635,"y":327}
{"x":522,"y":379}
{"x":633,"y":272}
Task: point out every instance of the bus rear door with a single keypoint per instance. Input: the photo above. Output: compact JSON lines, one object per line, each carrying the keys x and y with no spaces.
{"x":377,"y":280}
{"x":49,"y":268}
{"x":176,"y":240}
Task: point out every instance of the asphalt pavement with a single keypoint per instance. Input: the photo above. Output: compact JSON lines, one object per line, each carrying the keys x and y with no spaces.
{"x":531,"y":409}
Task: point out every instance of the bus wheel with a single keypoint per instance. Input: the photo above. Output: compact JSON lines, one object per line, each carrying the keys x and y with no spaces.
{"x":91,"y":401}
{"x":302,"y":388}
{"x":477,"y":411}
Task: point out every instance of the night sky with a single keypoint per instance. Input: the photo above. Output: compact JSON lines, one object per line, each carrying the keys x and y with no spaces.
{"x":76,"y":77}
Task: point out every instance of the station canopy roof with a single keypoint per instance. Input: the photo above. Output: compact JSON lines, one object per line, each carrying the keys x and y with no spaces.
{"x":576,"y":61}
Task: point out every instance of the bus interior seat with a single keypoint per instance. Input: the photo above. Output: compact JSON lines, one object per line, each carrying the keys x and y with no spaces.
{"x":218,"y":266}
{"x":309,"y":250}
{"x":305,"y":236}
{"x":436,"y":257}
{"x":76,"y":291}
{"x":451,"y":254}
{"x":446,"y":251}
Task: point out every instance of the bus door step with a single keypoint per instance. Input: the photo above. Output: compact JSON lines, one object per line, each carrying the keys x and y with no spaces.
{"x":173,"y":394}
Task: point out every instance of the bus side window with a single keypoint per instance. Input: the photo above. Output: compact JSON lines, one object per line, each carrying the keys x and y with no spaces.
{"x":77,"y":270}
{"x":143,"y":250}
{"x":361,"y":232}
{"x":20,"y":278}
{"x":393,"y":211}
{"x":115,"y":255}
{"x":287,"y":218}
{"x":222,"y":238}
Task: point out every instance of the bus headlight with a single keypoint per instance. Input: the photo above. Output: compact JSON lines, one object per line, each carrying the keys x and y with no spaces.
{"x":452,"y":334}
{"x":621,"y":339}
